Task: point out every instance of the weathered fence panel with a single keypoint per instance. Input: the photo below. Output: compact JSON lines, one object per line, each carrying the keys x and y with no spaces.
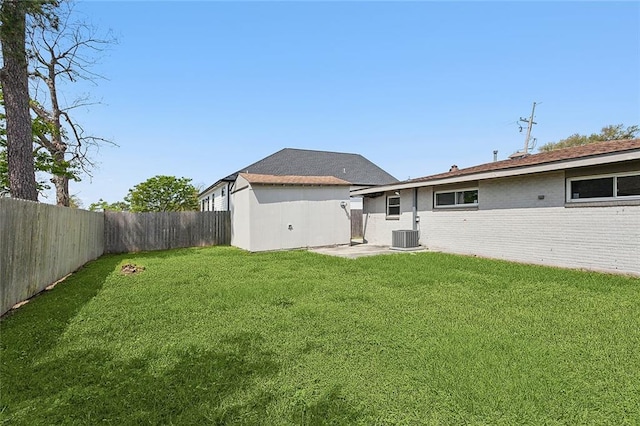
{"x":41,"y":243}
{"x":132,"y":232}
{"x":356,"y":223}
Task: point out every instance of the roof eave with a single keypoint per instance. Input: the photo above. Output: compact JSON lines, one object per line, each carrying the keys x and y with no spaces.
{"x":516,"y":171}
{"x":210,"y":187}
{"x":296,"y":184}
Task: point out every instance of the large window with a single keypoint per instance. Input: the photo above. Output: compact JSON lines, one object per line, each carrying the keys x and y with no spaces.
{"x":604,"y":188}
{"x":460,"y":198}
{"x":393,"y":206}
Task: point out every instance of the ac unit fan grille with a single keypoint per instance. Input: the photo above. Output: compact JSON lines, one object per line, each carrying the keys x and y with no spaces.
{"x":404,"y":239}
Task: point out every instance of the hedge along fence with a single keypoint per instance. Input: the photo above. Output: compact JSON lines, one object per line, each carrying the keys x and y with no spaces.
{"x":131,"y":232}
{"x":41,"y":243}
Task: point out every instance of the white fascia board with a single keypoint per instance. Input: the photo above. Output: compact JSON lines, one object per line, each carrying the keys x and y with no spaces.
{"x":211,"y":189}
{"x":524,"y":170}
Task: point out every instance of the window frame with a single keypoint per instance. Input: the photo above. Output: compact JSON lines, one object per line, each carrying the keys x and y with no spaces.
{"x":615,"y":197}
{"x":455,"y":198}
{"x":389,"y":197}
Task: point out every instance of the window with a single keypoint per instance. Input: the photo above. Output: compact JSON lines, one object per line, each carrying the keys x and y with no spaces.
{"x":463,"y":197}
{"x":223,"y":192}
{"x":628,"y":186}
{"x":604,"y":188}
{"x":393,"y":206}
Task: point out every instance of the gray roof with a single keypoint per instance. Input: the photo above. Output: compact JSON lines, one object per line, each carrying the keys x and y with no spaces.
{"x":353,"y":168}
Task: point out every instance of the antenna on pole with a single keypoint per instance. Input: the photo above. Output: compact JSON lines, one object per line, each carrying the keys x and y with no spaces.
{"x":530,"y":124}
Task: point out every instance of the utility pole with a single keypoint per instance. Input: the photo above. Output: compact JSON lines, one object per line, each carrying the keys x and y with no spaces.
{"x":530,"y":123}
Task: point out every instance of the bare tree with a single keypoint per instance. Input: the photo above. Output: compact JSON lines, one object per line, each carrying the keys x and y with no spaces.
{"x":63,"y":50}
{"x":15,"y":83}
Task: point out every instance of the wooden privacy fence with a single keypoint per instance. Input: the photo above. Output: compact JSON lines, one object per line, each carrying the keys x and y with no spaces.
{"x":356,"y":223}
{"x":131,"y":232}
{"x":41,"y":243}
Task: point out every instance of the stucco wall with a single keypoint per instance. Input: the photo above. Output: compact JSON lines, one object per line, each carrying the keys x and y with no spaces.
{"x":262,"y":215}
{"x":241,"y":216}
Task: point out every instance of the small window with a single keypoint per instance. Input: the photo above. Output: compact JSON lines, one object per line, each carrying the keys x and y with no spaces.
{"x":592,"y":188}
{"x":603,"y":188}
{"x":464,"y":197}
{"x":628,"y":186}
{"x":223,"y":192}
{"x":393,"y":206}
{"x":446,"y":199}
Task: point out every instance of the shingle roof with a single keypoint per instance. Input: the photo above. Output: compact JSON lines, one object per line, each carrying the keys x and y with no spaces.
{"x":353,"y":168}
{"x":594,"y":149}
{"x":293,"y":180}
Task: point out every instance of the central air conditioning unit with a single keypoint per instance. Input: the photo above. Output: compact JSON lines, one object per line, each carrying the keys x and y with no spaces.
{"x":404,"y":239}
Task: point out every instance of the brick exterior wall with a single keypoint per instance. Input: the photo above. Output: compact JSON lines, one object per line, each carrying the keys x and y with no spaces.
{"x":598,"y":238}
{"x":522,"y":192}
{"x":511,"y":222}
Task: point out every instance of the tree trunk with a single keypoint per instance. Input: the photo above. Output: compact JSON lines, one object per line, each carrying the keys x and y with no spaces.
{"x":15,"y":87}
{"x":62,"y":190}
{"x":61,"y":182}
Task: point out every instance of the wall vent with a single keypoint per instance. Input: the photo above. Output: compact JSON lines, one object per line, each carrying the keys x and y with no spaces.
{"x":405,"y":238}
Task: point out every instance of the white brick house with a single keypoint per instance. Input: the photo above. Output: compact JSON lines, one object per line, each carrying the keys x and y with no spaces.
{"x":576,"y":207}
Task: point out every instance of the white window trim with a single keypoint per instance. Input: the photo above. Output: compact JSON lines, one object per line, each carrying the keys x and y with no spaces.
{"x":387,"y":206}
{"x":455,"y":206}
{"x":604,"y":176}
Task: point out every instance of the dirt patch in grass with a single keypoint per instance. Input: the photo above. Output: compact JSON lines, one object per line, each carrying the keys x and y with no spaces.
{"x":131,"y":268}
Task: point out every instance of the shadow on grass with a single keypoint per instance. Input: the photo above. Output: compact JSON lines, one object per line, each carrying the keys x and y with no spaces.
{"x":331,"y":408}
{"x":36,"y":326}
{"x":42,"y":383}
{"x":94,"y":386}
{"x":30,"y":331}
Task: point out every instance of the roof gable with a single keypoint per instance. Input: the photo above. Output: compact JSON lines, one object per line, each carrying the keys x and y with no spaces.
{"x":353,"y":168}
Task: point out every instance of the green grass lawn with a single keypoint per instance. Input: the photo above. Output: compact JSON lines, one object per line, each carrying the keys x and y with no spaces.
{"x":220,"y":336}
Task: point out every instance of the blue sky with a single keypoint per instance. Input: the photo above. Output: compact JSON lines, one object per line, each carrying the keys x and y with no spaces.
{"x":202,"y":89}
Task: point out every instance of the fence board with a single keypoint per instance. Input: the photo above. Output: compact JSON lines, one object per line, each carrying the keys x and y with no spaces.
{"x":131,"y":232}
{"x":41,"y":243}
{"x":356,"y":223}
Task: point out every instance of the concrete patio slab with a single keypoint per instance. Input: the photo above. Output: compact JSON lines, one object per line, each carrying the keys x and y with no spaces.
{"x":360,"y":250}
